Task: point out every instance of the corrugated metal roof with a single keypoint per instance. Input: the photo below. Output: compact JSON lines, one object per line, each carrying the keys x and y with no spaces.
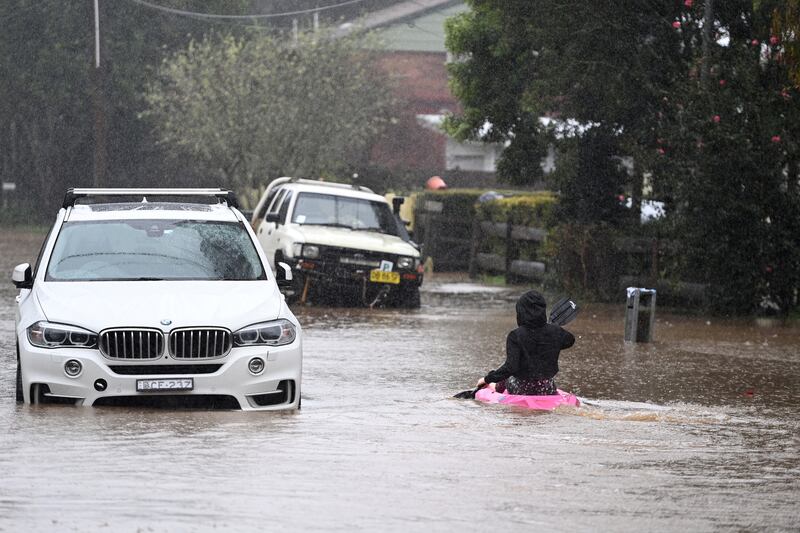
{"x":420,"y":34}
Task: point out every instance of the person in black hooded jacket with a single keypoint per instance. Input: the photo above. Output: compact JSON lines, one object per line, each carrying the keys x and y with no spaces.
{"x":531,"y":351}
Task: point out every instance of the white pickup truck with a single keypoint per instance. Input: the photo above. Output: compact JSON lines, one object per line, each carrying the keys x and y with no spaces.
{"x":345,"y":243}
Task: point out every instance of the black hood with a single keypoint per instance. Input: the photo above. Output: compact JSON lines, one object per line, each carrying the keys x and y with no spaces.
{"x":531,"y":310}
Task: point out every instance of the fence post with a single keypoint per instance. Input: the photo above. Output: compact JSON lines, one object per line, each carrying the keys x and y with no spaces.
{"x":509,"y":244}
{"x":473,"y":251}
{"x":654,"y":263}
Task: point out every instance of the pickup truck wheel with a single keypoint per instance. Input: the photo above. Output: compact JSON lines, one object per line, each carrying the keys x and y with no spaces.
{"x":20,"y":397}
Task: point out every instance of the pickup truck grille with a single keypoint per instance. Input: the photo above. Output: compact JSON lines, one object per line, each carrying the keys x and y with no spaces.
{"x":127,"y":344}
{"x":200,"y":343}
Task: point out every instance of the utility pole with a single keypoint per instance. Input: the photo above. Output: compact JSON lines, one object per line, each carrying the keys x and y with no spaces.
{"x":99,"y":107}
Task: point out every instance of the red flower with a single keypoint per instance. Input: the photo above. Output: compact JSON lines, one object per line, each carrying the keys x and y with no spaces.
{"x":661,"y":151}
{"x":776,"y":138}
{"x":716,"y":119}
{"x":676,"y":25}
{"x":754,"y":42}
{"x":688,"y":3}
{"x":722,"y":83}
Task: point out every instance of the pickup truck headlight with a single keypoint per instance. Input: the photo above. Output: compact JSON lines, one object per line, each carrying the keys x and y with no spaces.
{"x":275,"y":333}
{"x":310,"y":251}
{"x":405,"y":263}
{"x":307,"y":251}
{"x":48,"y":335}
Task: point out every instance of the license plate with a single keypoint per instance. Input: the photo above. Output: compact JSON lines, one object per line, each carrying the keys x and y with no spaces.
{"x":156,"y":385}
{"x":379,"y":276}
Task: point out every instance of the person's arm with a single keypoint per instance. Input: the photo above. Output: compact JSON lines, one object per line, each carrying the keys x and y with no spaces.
{"x":567,"y":339}
{"x":510,"y":367}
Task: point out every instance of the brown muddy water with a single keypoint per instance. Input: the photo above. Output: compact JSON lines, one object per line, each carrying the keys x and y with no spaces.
{"x":698,"y":431}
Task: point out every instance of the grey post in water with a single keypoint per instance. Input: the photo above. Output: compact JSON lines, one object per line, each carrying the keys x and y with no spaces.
{"x":640,"y":315}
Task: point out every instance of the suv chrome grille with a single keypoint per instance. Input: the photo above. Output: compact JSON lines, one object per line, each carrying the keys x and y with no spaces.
{"x":132,"y":343}
{"x":200,"y":343}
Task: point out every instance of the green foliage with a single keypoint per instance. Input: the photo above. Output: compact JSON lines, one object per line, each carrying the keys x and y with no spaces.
{"x":786,"y":27}
{"x":586,"y":259}
{"x":457,"y":204}
{"x":727,"y":155}
{"x":534,"y":210}
{"x":708,"y":120}
{"x":251,"y":109}
{"x":47,"y":75}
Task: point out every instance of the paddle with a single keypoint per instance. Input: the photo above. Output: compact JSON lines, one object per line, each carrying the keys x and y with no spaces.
{"x":563,"y":312}
{"x":467,"y":394}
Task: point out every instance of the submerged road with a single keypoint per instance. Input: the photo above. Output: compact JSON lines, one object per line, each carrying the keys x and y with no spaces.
{"x":698,"y":431}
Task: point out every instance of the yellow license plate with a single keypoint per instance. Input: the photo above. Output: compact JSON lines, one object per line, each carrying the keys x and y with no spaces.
{"x":379,"y":276}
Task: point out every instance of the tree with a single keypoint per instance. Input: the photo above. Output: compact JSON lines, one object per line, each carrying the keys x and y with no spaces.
{"x":46,"y":67}
{"x":695,"y":94}
{"x":255,"y":108}
{"x":728,"y":154}
{"x":786,"y":27}
{"x":603,"y":66}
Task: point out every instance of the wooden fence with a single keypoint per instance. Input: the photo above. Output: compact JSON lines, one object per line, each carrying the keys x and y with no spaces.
{"x":508,"y":264}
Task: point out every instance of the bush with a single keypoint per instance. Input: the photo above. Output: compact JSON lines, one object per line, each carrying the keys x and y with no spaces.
{"x":585,"y":259}
{"x":534,"y":209}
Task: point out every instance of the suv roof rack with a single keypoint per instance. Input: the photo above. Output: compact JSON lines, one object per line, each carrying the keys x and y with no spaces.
{"x":72,"y":195}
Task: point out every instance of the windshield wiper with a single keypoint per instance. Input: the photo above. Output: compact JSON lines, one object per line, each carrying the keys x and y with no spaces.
{"x":376,"y":230}
{"x":146,"y":278}
{"x":328,"y":224}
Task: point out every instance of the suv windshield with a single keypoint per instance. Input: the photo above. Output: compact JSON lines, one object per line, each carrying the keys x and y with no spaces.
{"x":343,"y":211}
{"x":125,"y":250}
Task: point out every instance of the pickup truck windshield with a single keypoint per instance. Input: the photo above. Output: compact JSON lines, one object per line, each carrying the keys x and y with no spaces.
{"x":146,"y":250}
{"x":343,"y":211}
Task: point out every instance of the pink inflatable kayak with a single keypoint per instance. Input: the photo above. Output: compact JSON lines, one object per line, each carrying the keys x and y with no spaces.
{"x":546,"y":403}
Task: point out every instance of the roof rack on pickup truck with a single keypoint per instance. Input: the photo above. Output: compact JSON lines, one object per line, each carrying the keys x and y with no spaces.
{"x":281,"y":181}
{"x":73,"y":195}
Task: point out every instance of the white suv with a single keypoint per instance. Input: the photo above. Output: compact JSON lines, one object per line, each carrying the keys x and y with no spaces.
{"x":155,"y":296}
{"x":343,"y":241}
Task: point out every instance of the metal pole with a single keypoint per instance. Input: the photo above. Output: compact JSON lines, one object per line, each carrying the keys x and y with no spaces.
{"x":96,"y":34}
{"x":99,"y":104}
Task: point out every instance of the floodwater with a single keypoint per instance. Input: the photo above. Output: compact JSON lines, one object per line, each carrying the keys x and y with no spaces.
{"x":698,"y":431}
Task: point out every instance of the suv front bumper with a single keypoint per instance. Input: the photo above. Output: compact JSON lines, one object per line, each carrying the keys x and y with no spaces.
{"x":283,"y":366}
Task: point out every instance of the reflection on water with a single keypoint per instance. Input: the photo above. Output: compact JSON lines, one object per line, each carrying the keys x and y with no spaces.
{"x":697,"y":431}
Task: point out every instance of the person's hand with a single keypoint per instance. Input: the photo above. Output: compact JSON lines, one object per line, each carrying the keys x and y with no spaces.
{"x":480,"y":384}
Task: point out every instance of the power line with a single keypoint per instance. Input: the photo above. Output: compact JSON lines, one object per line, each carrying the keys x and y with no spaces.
{"x":242,"y":17}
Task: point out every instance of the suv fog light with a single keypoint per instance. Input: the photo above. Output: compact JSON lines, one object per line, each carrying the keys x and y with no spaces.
{"x":256,"y":365}
{"x":100,"y":385}
{"x":72,"y":368}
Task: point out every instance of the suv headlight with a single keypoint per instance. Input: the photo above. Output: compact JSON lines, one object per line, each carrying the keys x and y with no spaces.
{"x":47,"y":335}
{"x":308,"y":251}
{"x":275,"y":333}
{"x":405,"y":262}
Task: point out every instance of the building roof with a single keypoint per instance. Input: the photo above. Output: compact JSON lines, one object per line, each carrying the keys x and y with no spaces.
{"x":422,"y":32}
{"x":415,"y":25}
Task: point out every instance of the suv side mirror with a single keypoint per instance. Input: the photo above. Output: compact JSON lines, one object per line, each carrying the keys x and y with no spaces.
{"x":397,"y":201}
{"x":283,"y":275}
{"x":273,"y":217}
{"x":22,"y":276}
